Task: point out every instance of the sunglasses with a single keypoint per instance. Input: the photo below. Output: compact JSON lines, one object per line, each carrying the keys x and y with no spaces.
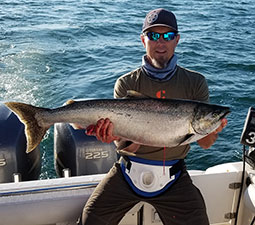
{"x":154,"y":36}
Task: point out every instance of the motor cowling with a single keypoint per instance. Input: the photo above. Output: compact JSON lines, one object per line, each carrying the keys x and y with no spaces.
{"x":81,"y":154}
{"x":13,"y":156}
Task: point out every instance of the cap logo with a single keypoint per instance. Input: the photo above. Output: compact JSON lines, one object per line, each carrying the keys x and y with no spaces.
{"x":152,"y":17}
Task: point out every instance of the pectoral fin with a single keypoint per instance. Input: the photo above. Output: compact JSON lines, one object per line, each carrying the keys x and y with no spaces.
{"x":187,"y":139}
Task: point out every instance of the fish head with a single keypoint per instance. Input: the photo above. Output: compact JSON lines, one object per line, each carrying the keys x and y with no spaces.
{"x":207,"y":118}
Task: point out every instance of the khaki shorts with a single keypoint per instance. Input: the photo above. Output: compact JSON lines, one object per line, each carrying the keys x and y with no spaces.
{"x":181,"y":204}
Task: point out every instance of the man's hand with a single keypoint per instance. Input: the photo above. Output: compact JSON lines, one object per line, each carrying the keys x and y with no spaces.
{"x":103,"y":130}
{"x":209,"y":140}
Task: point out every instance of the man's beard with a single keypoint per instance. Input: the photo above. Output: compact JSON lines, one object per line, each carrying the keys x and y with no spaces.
{"x":160,"y":63}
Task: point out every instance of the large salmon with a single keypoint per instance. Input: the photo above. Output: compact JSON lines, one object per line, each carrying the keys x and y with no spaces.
{"x":153,"y":122}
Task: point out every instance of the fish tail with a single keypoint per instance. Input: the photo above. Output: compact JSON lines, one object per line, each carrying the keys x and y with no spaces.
{"x":27,"y":115}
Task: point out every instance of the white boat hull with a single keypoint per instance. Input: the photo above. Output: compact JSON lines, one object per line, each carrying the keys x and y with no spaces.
{"x":61,"y":200}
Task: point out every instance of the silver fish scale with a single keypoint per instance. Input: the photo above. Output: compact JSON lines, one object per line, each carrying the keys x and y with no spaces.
{"x":153,"y":122}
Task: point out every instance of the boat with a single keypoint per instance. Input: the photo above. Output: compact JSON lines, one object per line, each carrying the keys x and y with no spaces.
{"x":81,"y":162}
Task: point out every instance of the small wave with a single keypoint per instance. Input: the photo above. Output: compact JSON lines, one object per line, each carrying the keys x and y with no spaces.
{"x":239,"y":66}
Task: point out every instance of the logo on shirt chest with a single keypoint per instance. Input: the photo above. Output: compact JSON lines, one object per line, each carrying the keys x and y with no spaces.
{"x":161,"y":94}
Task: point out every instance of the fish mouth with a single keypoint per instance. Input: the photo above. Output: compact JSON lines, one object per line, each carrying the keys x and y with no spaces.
{"x":202,"y":130}
{"x":225,"y":113}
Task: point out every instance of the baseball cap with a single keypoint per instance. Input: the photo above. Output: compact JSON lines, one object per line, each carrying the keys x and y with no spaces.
{"x":160,"y":17}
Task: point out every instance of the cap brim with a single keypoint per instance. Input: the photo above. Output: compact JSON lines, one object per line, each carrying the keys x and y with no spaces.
{"x":159,"y":25}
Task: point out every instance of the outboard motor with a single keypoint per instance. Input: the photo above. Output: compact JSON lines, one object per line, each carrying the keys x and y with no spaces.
{"x":81,"y":154}
{"x":248,"y":137}
{"x":13,"y":156}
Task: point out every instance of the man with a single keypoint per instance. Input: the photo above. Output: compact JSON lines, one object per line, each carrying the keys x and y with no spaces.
{"x":176,"y":199}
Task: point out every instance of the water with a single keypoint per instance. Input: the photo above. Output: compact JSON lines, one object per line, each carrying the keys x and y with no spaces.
{"x":54,"y":50}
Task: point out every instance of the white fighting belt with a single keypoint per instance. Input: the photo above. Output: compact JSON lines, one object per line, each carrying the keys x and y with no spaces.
{"x":148,"y":180}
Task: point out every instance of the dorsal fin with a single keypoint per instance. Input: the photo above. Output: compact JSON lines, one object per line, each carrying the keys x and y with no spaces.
{"x":70,"y":101}
{"x":135,"y":94}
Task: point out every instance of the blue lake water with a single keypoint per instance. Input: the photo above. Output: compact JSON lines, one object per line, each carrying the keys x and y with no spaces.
{"x":52,"y":50}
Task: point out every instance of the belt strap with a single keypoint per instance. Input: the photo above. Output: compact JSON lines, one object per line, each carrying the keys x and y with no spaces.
{"x":177,"y":167}
{"x":124,"y":159}
{"x":173,"y":170}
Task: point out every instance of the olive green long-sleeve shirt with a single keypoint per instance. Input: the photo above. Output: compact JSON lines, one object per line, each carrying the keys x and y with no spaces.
{"x":185,"y":84}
